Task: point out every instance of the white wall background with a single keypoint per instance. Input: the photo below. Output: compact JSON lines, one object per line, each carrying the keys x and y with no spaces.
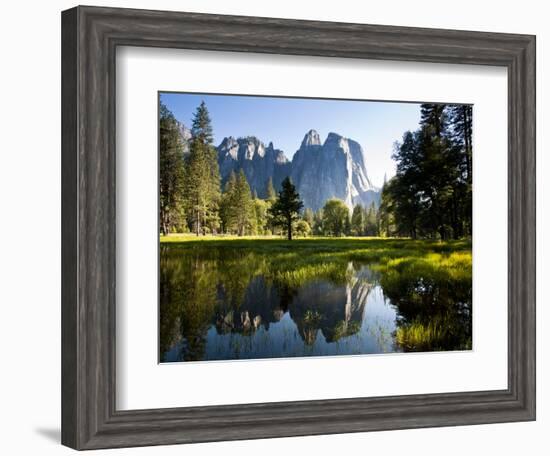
{"x":30,"y":225}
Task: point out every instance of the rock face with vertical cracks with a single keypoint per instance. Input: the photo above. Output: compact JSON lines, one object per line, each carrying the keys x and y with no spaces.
{"x":320,"y":170}
{"x":259,"y":162}
{"x":334,"y":169}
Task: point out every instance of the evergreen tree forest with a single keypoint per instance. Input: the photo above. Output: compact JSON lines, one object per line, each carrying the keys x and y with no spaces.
{"x":171,"y":174}
{"x":430,"y":196}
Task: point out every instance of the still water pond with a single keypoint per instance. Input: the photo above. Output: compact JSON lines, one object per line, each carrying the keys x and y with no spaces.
{"x":225,"y":304}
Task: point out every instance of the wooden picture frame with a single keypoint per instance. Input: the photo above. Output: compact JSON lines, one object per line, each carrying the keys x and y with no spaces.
{"x":90,"y":36}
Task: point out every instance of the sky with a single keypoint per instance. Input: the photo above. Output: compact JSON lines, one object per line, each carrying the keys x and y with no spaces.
{"x":285,"y":121}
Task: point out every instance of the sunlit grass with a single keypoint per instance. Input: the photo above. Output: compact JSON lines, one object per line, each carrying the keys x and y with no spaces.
{"x":183,"y":237}
{"x":302,"y":260}
{"x":417,"y":336}
{"x":433,"y":335}
{"x":294,"y":276}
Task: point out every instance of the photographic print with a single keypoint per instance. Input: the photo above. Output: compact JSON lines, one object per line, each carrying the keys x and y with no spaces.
{"x":296,"y":227}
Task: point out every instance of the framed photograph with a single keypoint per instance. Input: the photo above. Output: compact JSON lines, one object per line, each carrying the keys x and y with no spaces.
{"x":280,"y":228}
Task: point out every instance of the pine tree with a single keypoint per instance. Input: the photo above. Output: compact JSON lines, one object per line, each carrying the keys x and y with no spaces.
{"x":237,"y":208}
{"x":386,"y":211}
{"x":430,"y":195}
{"x":461,"y":135}
{"x":461,"y":122}
{"x":285,"y":210}
{"x":201,"y":129}
{"x":271,"y":195}
{"x":433,"y":117}
{"x":243,"y":205}
{"x":171,"y":172}
{"x":358,"y":221}
{"x":202,"y":183}
{"x":227,"y":214}
{"x":411,"y":180}
{"x":371,"y":221}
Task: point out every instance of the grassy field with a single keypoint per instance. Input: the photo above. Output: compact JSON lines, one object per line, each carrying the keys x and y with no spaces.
{"x":369,"y":246}
{"x":314,"y":256}
{"x":428,"y":281}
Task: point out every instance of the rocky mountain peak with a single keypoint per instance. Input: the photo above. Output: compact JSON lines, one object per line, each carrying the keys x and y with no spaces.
{"x":258,"y":162}
{"x":185,"y":136}
{"x":251,"y":147}
{"x":184,"y":132}
{"x":228,"y":142}
{"x":336,"y":170}
{"x":311,"y":138}
{"x":334,"y":140}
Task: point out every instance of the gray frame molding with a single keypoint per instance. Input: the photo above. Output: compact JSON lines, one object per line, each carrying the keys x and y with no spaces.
{"x":90,"y":36}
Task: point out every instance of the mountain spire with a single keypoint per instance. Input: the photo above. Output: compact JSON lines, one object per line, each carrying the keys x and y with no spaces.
{"x":311,"y":138}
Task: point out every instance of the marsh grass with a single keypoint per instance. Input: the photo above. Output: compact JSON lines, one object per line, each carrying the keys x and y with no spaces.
{"x":301,"y":260}
{"x":435,"y":335}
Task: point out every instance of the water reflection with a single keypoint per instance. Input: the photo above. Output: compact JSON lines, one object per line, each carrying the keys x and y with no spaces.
{"x":222,"y":304}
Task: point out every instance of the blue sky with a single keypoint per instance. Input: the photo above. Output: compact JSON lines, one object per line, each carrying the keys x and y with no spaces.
{"x":285,"y":121}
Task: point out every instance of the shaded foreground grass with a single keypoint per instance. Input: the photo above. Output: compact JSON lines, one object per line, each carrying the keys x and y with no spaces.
{"x":429,"y":282}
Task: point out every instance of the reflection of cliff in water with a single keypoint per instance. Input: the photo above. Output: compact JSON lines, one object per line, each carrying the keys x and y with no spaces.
{"x":335,"y":310}
{"x":261,"y":305}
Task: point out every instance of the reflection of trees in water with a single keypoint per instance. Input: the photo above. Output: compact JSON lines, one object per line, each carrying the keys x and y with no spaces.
{"x":233,"y":291}
{"x":258,"y":307}
{"x":187,"y":300}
